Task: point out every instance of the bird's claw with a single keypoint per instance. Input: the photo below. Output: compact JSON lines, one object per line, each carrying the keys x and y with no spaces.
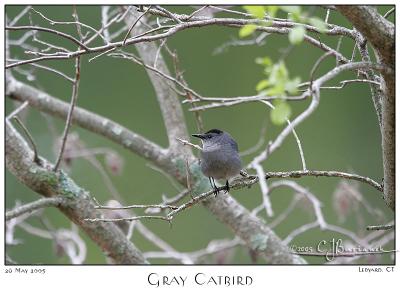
{"x":216,"y":191}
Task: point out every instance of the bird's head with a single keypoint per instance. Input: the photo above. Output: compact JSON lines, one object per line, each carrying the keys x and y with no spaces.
{"x":216,"y":138}
{"x":210,"y":135}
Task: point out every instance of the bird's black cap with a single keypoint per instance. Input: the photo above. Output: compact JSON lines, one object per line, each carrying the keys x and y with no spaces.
{"x":212,"y":131}
{"x":217,"y":131}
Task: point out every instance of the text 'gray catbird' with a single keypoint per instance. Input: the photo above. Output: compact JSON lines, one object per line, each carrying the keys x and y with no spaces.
{"x":219,"y":158}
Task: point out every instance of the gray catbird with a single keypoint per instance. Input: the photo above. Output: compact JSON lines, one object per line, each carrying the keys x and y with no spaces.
{"x":219,"y":158}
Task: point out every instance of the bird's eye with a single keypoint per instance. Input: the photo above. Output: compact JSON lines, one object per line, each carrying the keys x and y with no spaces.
{"x":209,"y":136}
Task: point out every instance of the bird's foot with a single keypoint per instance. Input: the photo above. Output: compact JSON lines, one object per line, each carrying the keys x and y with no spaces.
{"x":216,"y":191}
{"x":226,"y":188}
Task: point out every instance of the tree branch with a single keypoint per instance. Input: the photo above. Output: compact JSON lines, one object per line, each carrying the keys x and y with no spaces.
{"x":316,"y":173}
{"x":86,"y":119}
{"x":202,"y":22}
{"x":380,"y":33}
{"x":34,"y":28}
{"x":77,"y":204}
{"x":169,"y":103}
{"x":378,"y":30}
{"x":28,"y":208}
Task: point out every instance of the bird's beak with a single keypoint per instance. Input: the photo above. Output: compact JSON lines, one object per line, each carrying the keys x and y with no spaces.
{"x":201,"y":136}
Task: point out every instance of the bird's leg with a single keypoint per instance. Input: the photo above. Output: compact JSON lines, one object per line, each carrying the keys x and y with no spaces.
{"x":211,"y":183}
{"x":214,"y":187}
{"x":226,"y":188}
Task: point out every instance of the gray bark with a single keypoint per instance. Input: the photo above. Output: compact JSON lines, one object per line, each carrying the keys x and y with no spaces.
{"x":380,"y":33}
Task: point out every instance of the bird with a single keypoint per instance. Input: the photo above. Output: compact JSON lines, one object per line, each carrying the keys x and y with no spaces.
{"x":219,"y":157}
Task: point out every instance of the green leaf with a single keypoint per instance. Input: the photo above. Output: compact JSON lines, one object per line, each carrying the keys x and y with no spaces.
{"x":318,"y":23}
{"x":291,"y":85}
{"x":272,"y":10}
{"x":247,"y":30}
{"x":264,"y":61}
{"x":280,"y":113}
{"x":291,"y":9}
{"x":279,"y":73}
{"x":262,"y":85}
{"x":257,"y":11}
{"x":296,"y":35}
{"x":277,"y":90}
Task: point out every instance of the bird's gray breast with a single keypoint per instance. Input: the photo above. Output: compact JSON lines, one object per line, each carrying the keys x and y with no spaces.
{"x":222,"y":162}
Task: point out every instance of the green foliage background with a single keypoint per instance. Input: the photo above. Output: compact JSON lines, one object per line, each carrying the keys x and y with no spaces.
{"x":342,"y":134}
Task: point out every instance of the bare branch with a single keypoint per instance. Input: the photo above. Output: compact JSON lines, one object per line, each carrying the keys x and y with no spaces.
{"x":169,"y":103}
{"x":380,"y":33}
{"x":134,"y":24}
{"x":316,"y":173}
{"x":185,"y":142}
{"x":76,"y":22}
{"x":171,"y":30}
{"x":44,"y":181}
{"x":389,"y":12}
{"x":17,"y":111}
{"x":36,"y":28}
{"x":378,"y":30}
{"x":264,"y":189}
{"x":160,"y":206}
{"x":61,"y":74}
{"x":20,"y":15}
{"x":100,"y":219}
{"x":74,"y":98}
{"x":28,"y":208}
{"x":30,"y":139}
{"x":86,"y":119}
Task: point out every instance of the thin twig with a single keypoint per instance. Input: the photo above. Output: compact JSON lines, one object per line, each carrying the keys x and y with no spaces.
{"x":300,"y":230}
{"x":54,"y":22}
{"x":134,"y":24}
{"x":168,"y":13}
{"x":264,"y":190}
{"x":127,"y":218}
{"x":20,"y":15}
{"x":17,"y":110}
{"x":285,"y":28}
{"x":387,"y":14}
{"x":316,"y":173}
{"x":205,"y":195}
{"x":101,"y":54}
{"x":260,"y":142}
{"x":327,"y":15}
{"x":196,"y":11}
{"x":69,"y":79}
{"x":185,"y":142}
{"x":283,"y":216}
{"x":30,"y":139}
{"x":163,"y":42}
{"x":35,"y":28}
{"x":344,"y":83}
{"x":160,"y":206}
{"x":316,"y":65}
{"x":188,"y":178}
{"x":311,"y":198}
{"x":68,"y":123}
{"x":104,"y":20}
{"x":28,"y":208}
{"x":301,"y":152}
{"x":174,"y":200}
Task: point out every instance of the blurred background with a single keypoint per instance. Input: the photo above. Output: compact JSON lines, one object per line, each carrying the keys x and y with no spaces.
{"x":342,"y":134}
